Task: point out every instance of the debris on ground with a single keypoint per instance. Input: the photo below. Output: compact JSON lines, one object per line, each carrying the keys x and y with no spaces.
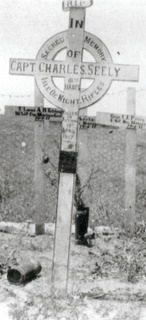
{"x":108,"y":276}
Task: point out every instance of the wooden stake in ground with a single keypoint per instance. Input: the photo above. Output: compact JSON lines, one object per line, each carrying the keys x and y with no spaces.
{"x":68,"y":153}
{"x":131,"y":122}
{"x":130,"y":166}
{"x":38,"y":168}
{"x":40,"y":114}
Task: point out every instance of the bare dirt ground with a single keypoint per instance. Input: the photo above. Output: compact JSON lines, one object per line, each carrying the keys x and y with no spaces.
{"x":106,"y":281}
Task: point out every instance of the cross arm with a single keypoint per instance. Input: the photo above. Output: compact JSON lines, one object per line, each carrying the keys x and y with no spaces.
{"x":121,"y":120}
{"x":22,"y":67}
{"x":86,"y":70}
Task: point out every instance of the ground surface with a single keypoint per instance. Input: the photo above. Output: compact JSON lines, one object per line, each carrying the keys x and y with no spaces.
{"x":106,"y":281}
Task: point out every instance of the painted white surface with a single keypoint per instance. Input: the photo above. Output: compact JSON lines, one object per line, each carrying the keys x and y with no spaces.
{"x":26,"y":25}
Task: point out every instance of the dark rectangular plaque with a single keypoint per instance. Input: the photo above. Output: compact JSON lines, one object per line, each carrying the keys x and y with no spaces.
{"x":68,"y":162}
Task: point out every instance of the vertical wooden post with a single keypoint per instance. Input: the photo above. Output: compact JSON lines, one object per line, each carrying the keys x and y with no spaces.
{"x":38,"y":172}
{"x":130,"y":166}
{"x":68,"y":153}
{"x":83,"y":149}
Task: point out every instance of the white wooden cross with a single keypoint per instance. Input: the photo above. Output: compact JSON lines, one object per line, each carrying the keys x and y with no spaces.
{"x":131,"y":123}
{"x":40,"y":113}
{"x":46,"y":68}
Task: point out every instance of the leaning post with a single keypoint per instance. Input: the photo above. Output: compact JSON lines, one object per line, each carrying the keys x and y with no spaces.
{"x":38,"y":167}
{"x":130,"y":166}
{"x":68,"y":153}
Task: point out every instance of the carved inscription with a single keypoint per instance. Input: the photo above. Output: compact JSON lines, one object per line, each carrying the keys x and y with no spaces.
{"x":129,"y":121}
{"x":40,"y":113}
{"x":45,"y":68}
{"x":69,"y":127}
{"x":67,"y":4}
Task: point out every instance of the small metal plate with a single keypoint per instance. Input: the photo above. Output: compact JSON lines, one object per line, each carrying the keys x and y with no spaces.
{"x":68,"y":162}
